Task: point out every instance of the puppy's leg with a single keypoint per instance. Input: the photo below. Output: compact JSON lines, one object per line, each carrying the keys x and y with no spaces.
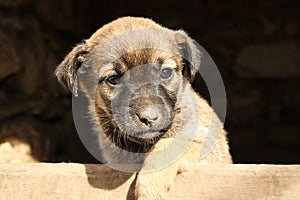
{"x":154,"y":185}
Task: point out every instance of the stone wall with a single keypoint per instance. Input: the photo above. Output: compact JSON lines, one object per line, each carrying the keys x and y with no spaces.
{"x":254,"y":43}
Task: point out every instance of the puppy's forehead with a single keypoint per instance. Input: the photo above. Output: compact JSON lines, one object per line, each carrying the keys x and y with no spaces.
{"x":142,"y":59}
{"x":145,"y":56}
{"x":138,"y":46}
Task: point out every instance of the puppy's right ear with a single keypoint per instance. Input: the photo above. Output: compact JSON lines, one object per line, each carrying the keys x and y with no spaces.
{"x":66,"y":71}
{"x":190,"y":54}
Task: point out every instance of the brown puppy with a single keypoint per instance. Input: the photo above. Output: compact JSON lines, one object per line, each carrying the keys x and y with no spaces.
{"x":137,"y":77}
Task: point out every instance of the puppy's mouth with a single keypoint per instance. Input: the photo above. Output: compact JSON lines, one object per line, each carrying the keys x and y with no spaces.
{"x":146,"y":137}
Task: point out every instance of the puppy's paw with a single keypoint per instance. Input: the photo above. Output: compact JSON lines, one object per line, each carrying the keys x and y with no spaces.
{"x":151,"y":187}
{"x":155,"y":185}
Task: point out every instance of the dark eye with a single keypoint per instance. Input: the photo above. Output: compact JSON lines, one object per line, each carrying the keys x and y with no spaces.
{"x":166,"y":73}
{"x":113,"y":80}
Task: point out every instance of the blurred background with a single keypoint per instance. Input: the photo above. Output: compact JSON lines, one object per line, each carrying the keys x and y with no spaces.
{"x":255,"y":44}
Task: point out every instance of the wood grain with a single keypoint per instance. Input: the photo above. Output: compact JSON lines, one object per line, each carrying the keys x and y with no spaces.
{"x":43,"y":181}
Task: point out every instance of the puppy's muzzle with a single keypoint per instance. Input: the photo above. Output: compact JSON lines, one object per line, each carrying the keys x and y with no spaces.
{"x":149,"y":116}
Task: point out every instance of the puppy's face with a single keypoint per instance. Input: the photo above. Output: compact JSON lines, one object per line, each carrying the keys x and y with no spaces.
{"x":139,"y":75}
{"x":137,"y":94}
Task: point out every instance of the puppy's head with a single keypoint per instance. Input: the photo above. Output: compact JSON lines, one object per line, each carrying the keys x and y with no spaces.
{"x":139,"y":69}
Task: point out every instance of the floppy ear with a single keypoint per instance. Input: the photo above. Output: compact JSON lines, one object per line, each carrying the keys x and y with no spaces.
{"x":66,"y":71}
{"x":190,"y":54}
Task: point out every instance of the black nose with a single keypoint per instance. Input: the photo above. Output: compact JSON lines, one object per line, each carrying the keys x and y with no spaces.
{"x":149,"y":116}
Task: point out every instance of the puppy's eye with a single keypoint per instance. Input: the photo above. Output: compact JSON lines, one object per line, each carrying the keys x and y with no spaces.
{"x":113,"y":80}
{"x":166,"y":73}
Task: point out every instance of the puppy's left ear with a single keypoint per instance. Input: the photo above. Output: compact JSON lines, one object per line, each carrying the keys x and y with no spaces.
{"x":190,"y":54}
{"x":66,"y":71}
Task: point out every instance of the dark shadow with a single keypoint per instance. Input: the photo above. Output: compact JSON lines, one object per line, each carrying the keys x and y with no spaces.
{"x":101,"y":176}
{"x":130,"y":194}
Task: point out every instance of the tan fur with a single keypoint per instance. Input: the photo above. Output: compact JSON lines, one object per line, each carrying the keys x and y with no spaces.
{"x":154,"y":185}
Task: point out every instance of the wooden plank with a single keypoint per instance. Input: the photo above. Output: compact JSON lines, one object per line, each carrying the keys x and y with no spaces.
{"x":239,"y":182}
{"x":43,"y":181}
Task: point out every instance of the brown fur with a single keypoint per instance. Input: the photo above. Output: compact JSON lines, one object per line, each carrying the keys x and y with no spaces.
{"x":189,"y":110}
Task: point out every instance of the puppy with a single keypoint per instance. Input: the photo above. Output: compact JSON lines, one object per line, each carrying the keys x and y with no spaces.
{"x":137,"y":77}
